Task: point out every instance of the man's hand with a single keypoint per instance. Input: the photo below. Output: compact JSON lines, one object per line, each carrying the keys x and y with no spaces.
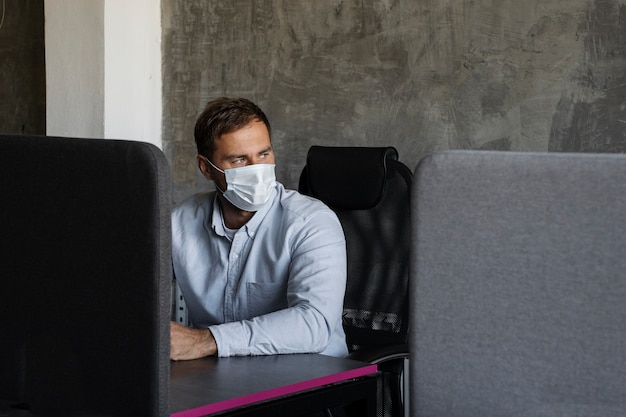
{"x":187,"y":343}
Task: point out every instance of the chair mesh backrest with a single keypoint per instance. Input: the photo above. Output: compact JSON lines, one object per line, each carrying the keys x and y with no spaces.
{"x":369,"y":190}
{"x":518,"y":285}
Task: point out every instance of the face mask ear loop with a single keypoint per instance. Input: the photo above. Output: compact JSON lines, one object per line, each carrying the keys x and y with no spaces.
{"x":211,"y":163}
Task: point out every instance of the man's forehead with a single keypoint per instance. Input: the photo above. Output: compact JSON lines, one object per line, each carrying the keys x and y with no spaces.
{"x":250,"y":139}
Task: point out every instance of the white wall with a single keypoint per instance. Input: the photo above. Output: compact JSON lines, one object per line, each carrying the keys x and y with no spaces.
{"x":132,"y":78}
{"x":103,"y":69}
{"x":74,"y":31}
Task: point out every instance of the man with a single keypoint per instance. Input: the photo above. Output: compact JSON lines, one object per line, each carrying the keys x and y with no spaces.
{"x":262,"y":268}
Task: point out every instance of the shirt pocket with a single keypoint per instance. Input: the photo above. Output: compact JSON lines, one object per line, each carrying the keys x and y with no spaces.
{"x":265,"y":297}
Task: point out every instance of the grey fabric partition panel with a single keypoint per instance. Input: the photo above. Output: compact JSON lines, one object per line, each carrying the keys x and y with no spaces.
{"x":86,"y":274}
{"x":518,"y":294}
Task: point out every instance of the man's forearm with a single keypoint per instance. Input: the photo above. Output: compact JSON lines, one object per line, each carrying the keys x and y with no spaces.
{"x":187,"y":343}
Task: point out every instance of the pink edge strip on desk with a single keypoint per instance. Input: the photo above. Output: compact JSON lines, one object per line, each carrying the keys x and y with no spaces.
{"x":276,"y":392}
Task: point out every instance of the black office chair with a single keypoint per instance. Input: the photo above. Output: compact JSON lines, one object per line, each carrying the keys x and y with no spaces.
{"x":369,"y":189}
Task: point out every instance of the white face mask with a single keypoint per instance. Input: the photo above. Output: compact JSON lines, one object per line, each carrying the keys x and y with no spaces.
{"x":248,"y":188}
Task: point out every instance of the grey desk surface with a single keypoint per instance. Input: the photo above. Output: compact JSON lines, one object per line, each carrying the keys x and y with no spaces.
{"x":212,"y":385}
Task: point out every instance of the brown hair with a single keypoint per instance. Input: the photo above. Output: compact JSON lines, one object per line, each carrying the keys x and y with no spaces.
{"x":224,"y":115}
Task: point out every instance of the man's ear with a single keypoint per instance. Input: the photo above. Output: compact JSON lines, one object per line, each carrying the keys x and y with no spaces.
{"x":204,"y":167}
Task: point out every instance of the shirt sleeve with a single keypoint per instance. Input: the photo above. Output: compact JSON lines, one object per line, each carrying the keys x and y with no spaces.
{"x":315,"y":290}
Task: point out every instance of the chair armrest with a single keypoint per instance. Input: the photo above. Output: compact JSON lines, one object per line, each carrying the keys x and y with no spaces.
{"x":380,"y":354}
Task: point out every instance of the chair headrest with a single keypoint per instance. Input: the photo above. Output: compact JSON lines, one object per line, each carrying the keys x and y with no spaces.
{"x":347,"y":177}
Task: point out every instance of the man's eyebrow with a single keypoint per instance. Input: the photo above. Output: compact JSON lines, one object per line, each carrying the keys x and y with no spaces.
{"x":245,"y":155}
{"x":235,"y":156}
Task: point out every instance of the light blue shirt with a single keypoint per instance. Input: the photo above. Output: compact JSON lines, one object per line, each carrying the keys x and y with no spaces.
{"x":278,"y":287}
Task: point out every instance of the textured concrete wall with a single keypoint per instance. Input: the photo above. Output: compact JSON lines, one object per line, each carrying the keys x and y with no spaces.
{"x":22,"y":67}
{"x":419,"y":75}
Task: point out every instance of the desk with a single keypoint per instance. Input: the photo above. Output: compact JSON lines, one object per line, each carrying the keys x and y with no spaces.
{"x":275,"y":385}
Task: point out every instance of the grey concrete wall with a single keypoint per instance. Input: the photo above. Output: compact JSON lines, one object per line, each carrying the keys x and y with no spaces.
{"x":420,"y":75}
{"x":22,"y":67}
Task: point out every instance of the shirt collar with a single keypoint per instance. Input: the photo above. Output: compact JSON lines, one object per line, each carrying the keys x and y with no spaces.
{"x":251,"y":225}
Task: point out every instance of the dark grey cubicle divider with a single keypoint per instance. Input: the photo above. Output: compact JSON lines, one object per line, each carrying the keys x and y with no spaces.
{"x":85,"y":277}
